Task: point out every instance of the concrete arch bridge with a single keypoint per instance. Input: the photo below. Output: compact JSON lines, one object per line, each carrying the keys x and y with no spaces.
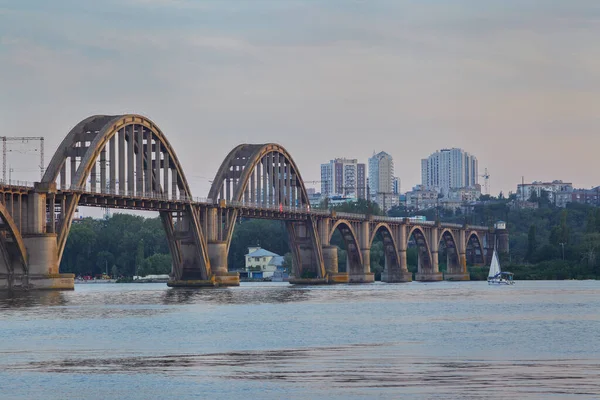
{"x":126,"y":161}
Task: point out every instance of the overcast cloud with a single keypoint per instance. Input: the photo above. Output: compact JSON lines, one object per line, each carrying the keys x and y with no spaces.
{"x":517,"y":83}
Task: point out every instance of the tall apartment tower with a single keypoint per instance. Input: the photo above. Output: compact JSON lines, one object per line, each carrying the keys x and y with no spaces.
{"x":344,"y":177}
{"x":381,"y":180}
{"x":449,"y":169}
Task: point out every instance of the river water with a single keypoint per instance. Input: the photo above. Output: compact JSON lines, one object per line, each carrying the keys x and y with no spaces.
{"x":463,"y":340}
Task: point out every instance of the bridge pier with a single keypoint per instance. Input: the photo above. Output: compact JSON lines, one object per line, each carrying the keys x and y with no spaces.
{"x":330,"y":259}
{"x":458,"y":272}
{"x":217,"y":253}
{"x":364,"y":276}
{"x":399,"y":273}
{"x":43,"y":264}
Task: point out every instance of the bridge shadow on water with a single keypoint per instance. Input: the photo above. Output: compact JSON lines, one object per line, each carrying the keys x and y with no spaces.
{"x":259,"y":295}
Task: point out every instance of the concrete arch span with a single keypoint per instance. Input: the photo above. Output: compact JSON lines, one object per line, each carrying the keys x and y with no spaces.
{"x":448,"y":238}
{"x":474,"y":249}
{"x":354,"y":258}
{"x":128,"y":155}
{"x":395,"y":269}
{"x":427,"y":256}
{"x":263,"y":176}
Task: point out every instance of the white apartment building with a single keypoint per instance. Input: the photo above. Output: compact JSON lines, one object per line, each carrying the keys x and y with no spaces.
{"x":381,"y":180}
{"x":449,"y":169}
{"x":343,"y":177}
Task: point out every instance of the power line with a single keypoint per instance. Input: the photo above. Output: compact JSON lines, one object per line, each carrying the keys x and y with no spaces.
{"x":22,"y":139}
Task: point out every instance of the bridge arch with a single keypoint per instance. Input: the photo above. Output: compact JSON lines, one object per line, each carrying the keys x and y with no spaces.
{"x":392,"y":260}
{"x":134,"y":158}
{"x":447,"y":237}
{"x":266,"y":176}
{"x":425,"y":262}
{"x":475,"y":250}
{"x":12,"y":247}
{"x":354,"y":260}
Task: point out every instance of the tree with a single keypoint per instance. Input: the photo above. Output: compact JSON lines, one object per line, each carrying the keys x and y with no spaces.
{"x":560,"y":233}
{"x":288,"y":262}
{"x":156,"y":264}
{"x":139,"y":256}
{"x":377,"y":258}
{"x":531,"y":243}
{"x":534,"y":197}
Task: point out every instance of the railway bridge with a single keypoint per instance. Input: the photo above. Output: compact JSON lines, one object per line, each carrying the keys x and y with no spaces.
{"x":126,"y":162}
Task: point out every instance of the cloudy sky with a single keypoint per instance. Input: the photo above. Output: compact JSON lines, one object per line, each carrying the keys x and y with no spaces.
{"x":517,"y":83}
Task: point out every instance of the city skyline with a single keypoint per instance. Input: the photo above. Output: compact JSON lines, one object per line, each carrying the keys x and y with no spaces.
{"x":403,"y":77}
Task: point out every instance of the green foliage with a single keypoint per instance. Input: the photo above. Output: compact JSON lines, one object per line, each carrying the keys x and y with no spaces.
{"x":288,"y":262}
{"x":531,"y":243}
{"x":377,"y":258}
{"x":93,"y":246}
{"x":361,"y":206}
{"x":156,"y":264}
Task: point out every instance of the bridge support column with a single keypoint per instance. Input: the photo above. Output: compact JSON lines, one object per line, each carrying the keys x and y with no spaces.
{"x":42,"y":247}
{"x":432,"y":273}
{"x":217,"y":253}
{"x":366,"y":276}
{"x":330,"y":259}
{"x":459,"y":272}
{"x":399,"y":273}
{"x":43,"y":263}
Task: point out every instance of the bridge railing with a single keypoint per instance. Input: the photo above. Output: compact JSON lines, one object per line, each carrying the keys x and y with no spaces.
{"x":273,"y":207}
{"x":350,"y":215}
{"x":479,"y":227}
{"x":141,"y":196}
{"x":381,"y":218}
{"x":19,"y":184}
{"x":451,"y":225}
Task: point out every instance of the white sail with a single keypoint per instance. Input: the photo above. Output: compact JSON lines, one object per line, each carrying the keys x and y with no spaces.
{"x":494,"y":266}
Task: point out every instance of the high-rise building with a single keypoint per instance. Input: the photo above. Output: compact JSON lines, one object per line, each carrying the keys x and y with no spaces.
{"x":449,"y":169}
{"x":381,"y":180}
{"x":343,"y":177}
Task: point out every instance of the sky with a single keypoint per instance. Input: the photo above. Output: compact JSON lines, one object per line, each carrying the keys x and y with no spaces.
{"x":514,"y":82}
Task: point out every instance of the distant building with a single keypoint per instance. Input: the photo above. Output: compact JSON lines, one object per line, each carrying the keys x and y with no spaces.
{"x":421,"y":198}
{"x":396,"y":185}
{"x":580,"y":196}
{"x":557,"y":187}
{"x":261,"y":263}
{"x":464,"y":194}
{"x":343,"y":177}
{"x":449,"y":169}
{"x":381,"y":180}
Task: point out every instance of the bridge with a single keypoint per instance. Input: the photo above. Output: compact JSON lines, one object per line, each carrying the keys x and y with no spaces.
{"x":126,"y":162}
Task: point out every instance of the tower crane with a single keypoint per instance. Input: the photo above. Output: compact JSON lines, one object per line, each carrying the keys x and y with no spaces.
{"x":486,"y":178}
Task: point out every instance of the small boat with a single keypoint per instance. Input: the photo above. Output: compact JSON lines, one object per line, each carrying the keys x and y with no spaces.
{"x":496,"y":276}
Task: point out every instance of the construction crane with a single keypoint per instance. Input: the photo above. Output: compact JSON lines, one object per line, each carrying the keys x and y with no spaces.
{"x":486,"y":178}
{"x":22,"y":139}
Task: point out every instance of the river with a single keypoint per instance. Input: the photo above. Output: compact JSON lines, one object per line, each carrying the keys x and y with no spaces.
{"x":462,"y":340}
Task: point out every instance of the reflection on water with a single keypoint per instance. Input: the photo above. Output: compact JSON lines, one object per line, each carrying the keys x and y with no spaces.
{"x":271,"y":341}
{"x":261,"y":295}
{"x":34,"y":298}
{"x":351,"y":368}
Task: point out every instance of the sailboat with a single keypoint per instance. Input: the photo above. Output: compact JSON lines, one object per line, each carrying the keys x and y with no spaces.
{"x":496,"y":276}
